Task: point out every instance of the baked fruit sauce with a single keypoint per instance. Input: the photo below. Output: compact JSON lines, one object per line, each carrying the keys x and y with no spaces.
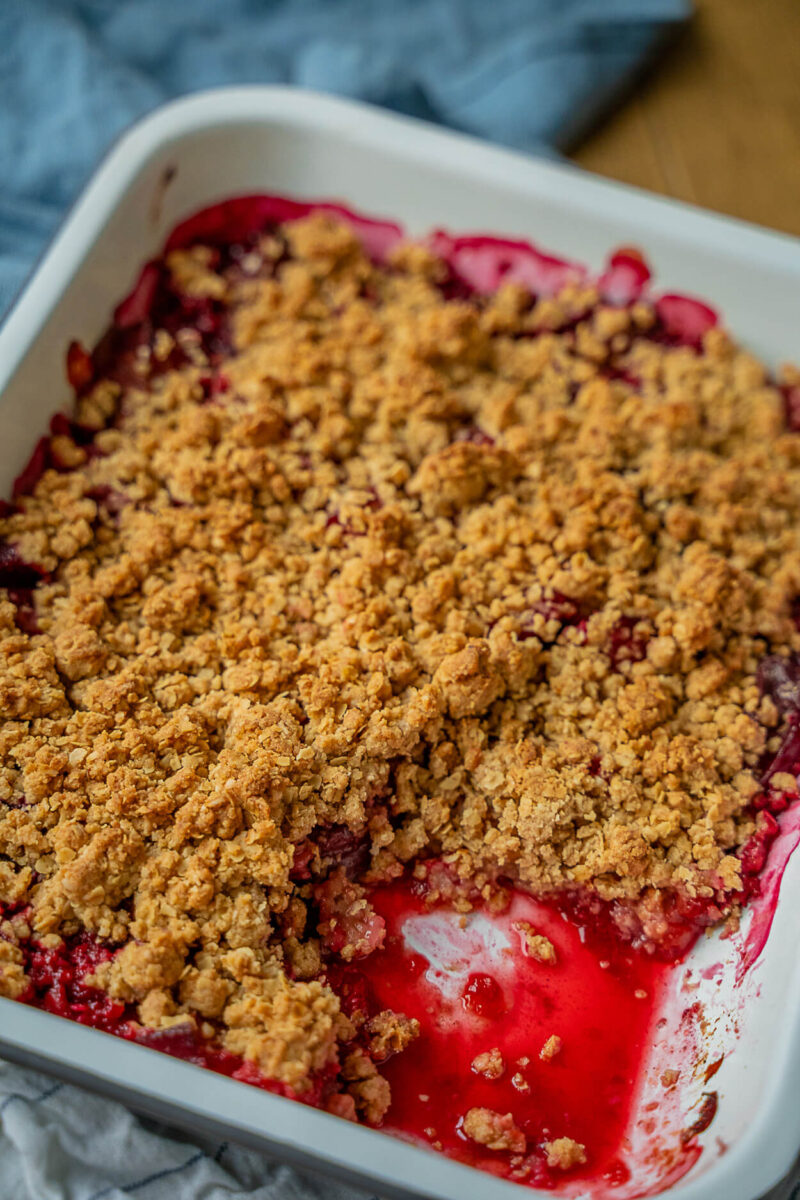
{"x":525,"y":1021}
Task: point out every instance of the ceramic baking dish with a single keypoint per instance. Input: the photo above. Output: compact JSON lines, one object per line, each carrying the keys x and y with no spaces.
{"x":196,"y":151}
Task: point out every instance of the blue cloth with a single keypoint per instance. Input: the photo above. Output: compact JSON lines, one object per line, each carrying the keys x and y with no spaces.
{"x":73,"y":73}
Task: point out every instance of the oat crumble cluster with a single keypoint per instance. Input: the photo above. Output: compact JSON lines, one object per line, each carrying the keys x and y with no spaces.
{"x":408,"y":575}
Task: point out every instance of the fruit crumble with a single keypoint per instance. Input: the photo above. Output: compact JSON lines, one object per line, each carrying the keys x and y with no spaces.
{"x":366,"y":568}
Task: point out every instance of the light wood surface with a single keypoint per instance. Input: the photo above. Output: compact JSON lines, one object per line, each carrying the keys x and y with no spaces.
{"x":717,"y":121}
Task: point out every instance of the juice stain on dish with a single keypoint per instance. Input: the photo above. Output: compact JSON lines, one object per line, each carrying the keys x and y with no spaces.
{"x":524,"y":1012}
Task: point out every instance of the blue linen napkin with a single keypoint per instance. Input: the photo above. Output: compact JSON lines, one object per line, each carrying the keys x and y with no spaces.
{"x":73,"y":73}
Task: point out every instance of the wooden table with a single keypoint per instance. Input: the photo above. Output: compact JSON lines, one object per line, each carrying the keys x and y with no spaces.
{"x":717,"y":122}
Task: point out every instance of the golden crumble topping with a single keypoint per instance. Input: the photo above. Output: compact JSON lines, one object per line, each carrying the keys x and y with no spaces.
{"x":404,"y":576}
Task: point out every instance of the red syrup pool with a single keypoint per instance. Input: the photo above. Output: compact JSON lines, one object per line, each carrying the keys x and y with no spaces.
{"x":475,"y":987}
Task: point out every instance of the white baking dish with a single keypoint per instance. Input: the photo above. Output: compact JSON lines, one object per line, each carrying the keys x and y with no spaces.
{"x":218,"y":144}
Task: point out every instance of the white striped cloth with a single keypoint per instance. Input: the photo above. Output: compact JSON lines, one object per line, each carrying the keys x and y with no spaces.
{"x":59,"y":1142}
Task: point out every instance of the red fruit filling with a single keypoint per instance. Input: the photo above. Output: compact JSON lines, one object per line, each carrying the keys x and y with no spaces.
{"x":481,"y":263}
{"x":555,"y":1039}
{"x":625,"y":277}
{"x":234,"y":221}
{"x":625,"y":643}
{"x":791,"y":401}
{"x":684,"y":320}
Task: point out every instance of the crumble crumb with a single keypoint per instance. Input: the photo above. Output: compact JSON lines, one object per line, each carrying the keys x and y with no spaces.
{"x":564,"y":1153}
{"x":520,"y":1083}
{"x":669,"y":1077}
{"x":390,"y":1032}
{"x":490,"y":1064}
{"x":368,"y":1088}
{"x":536,"y":944}
{"x":551,"y":1048}
{"x":496,"y":1131}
